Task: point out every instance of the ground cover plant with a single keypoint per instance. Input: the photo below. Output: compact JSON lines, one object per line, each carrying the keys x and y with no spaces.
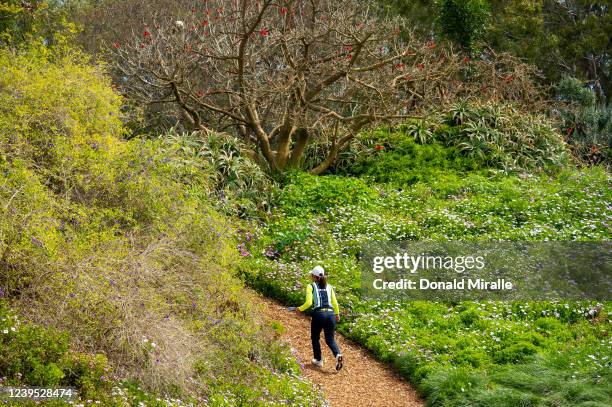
{"x":459,"y":354}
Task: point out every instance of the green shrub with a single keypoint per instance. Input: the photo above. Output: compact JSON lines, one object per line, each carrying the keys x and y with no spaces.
{"x":32,"y":354}
{"x":463,"y":21}
{"x":469,"y":316}
{"x":471,"y":358}
{"x":404,"y":162}
{"x":35,"y":356}
{"x":465,"y":139}
{"x":91,"y":374}
{"x":587,"y":125}
{"x":116,"y":244}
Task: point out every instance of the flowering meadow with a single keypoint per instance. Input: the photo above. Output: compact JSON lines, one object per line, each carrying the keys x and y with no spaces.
{"x":527,"y":353}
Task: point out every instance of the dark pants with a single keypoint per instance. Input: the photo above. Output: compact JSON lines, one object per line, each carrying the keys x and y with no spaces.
{"x":326,"y":321}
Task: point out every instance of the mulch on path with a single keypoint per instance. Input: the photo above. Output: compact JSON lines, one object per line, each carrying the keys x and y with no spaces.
{"x":363,"y":381}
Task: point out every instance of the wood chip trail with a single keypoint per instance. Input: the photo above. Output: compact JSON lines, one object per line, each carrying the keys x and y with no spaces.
{"x":363,"y":381}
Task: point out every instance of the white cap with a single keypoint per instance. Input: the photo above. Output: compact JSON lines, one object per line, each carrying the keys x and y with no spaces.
{"x":318,"y":271}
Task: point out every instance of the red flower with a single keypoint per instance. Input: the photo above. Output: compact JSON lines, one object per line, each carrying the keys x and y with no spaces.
{"x":421,"y":66}
{"x":146,"y":34}
{"x":594,"y":149}
{"x":407,"y":77}
{"x":142,"y":45}
{"x":117,"y":44}
{"x":204,"y":23}
{"x":283,"y":11}
{"x":349,"y":56}
{"x":466,"y":59}
{"x":570,"y":130}
{"x":399,"y":66}
{"x":431,"y":45}
{"x":348,"y":48}
{"x":200,"y":93}
{"x":379,"y":147}
{"x":264,"y":32}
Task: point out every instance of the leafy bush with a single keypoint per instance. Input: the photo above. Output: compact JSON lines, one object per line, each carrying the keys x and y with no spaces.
{"x":32,"y":355}
{"x":241,"y":187}
{"x":516,"y":352}
{"x":116,"y":244}
{"x":463,"y":21}
{"x":502,"y":137}
{"x":305,"y":193}
{"x":398,"y":159}
{"x":467,"y":138}
{"x":587,"y":124}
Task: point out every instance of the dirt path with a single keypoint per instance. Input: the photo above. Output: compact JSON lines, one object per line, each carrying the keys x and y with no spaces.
{"x":362,"y":382}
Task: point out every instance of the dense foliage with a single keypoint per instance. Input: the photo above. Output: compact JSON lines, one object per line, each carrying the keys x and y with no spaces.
{"x":241,"y":186}
{"x":586,"y":122}
{"x":32,"y":355}
{"x":561,"y":38}
{"x":116,"y":245}
{"x":467,"y":136}
{"x":463,"y":21}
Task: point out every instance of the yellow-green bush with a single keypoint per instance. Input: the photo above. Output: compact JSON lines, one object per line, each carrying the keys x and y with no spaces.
{"x":115,"y":242}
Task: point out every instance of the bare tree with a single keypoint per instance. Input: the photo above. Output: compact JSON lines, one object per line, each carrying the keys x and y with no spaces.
{"x":283,"y":72}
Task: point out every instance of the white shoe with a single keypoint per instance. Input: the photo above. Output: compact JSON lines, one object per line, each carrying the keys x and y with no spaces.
{"x":339,"y":360}
{"x":318,"y":363}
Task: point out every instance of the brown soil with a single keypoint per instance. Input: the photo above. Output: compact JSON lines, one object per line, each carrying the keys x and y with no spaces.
{"x":363,"y":381}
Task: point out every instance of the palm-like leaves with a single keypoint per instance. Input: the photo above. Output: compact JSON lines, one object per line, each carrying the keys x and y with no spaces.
{"x":421,"y":130}
{"x":235,"y":177}
{"x":501,"y":136}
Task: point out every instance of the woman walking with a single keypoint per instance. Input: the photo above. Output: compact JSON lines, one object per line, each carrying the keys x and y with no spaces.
{"x":325,"y":314}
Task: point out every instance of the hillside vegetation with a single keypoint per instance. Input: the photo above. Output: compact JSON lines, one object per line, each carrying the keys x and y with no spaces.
{"x":117,"y":269}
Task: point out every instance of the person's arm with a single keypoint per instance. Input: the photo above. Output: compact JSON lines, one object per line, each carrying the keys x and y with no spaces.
{"x":334,"y":302}
{"x":308,"y":302}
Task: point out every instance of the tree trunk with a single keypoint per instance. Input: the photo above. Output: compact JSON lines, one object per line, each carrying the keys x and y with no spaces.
{"x":298,"y":149}
{"x":333,"y":154}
